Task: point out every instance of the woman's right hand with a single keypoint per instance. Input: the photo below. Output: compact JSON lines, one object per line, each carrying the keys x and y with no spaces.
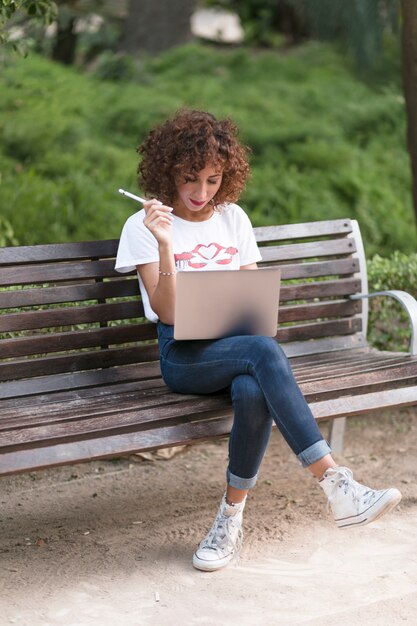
{"x":159,"y":220}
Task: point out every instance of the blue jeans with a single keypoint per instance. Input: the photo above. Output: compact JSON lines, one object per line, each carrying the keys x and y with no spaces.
{"x":263,"y":390}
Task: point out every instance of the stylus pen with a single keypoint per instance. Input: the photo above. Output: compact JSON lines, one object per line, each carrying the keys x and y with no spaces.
{"x":131,"y":195}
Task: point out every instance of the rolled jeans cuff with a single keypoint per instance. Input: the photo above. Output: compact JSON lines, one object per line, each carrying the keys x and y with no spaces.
{"x":240,"y":483}
{"x":314,"y":453}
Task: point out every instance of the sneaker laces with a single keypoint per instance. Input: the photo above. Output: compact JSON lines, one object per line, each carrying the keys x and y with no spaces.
{"x":343,"y":479}
{"x":226,"y":532}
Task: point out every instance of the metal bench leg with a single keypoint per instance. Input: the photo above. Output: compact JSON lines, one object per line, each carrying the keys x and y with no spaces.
{"x":337,"y":431}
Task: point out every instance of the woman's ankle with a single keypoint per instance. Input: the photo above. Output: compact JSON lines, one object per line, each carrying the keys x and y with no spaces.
{"x":319,"y":468}
{"x":235,"y":496}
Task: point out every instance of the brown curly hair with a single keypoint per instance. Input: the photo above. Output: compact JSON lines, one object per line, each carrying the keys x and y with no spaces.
{"x":186,"y":144}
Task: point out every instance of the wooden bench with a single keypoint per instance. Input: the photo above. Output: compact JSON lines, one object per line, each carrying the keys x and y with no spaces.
{"x":79,"y":373}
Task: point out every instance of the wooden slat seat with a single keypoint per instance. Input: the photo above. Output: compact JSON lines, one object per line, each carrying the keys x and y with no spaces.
{"x":79,"y":371}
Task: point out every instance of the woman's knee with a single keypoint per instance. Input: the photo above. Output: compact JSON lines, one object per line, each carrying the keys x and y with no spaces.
{"x":245,"y":388}
{"x":268,"y":352}
{"x":249,"y":401}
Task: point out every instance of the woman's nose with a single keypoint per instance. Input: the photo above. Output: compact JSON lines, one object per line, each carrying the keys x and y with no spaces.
{"x":202,"y":191}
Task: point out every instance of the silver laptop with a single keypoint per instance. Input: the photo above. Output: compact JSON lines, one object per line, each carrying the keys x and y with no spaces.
{"x":214,"y":304}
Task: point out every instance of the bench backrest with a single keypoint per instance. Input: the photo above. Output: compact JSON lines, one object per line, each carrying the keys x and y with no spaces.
{"x":66,"y":313}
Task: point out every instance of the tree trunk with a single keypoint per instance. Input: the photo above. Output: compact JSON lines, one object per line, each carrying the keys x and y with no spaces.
{"x":65,"y":43}
{"x":409,"y":65}
{"x":156,"y":25}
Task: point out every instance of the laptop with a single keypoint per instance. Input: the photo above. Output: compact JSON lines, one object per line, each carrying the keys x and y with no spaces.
{"x":223,"y":303}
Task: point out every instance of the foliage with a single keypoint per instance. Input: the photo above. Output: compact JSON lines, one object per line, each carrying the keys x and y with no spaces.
{"x":117,"y":67}
{"x":7,"y":237}
{"x":399,"y":271}
{"x":91,"y":22}
{"x":43,"y":11}
{"x":324,"y":145}
{"x":389,"y":327}
{"x":359,"y":25}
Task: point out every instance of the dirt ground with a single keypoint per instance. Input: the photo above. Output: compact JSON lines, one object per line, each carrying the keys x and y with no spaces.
{"x":110,"y":543}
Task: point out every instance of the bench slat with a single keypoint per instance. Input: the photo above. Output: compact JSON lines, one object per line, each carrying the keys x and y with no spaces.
{"x":155,"y":409}
{"x":60,"y":342}
{"x":73,"y":362}
{"x":315,"y":310}
{"x":159,"y":410}
{"x":315,"y":269}
{"x":355,"y":382}
{"x":322,"y":289}
{"x":69,"y":293}
{"x":316,"y":346}
{"x":71,"y":394}
{"x":307,"y":230}
{"x":320,"y":329}
{"x":58,"y":252}
{"x":325,"y":248}
{"x":337,"y":368}
{"x":56,"y":272}
{"x":70,"y":316}
{"x":131,"y":396}
{"x":357,"y":355}
{"x":76,"y":380}
{"x":111,"y":446}
{"x":347,"y":406}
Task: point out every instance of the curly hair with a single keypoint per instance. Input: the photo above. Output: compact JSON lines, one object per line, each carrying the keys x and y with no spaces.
{"x":186,"y":144}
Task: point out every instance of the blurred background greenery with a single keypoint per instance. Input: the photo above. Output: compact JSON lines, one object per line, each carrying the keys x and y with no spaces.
{"x":316,"y":88}
{"x":324,"y":144}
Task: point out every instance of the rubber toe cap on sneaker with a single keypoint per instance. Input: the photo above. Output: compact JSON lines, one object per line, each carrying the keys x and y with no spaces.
{"x":209,"y":561}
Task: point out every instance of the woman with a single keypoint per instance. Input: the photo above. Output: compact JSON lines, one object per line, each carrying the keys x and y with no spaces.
{"x":196,"y":167}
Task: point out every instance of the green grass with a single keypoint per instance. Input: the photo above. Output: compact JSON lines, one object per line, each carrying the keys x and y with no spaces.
{"x":324,"y":144}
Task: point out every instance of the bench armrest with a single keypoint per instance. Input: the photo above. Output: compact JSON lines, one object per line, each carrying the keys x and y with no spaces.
{"x":408,"y":302}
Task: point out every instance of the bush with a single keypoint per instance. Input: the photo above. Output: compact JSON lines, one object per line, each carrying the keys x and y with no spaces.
{"x":116,"y":67}
{"x":324,"y":145}
{"x":389,"y":327}
{"x":7,"y":237}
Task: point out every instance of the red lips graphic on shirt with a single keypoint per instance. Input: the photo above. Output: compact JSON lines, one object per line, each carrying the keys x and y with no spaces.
{"x":203,"y":255}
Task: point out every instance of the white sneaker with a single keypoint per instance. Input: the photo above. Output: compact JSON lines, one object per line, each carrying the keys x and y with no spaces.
{"x":354,"y":504}
{"x":224,"y":540}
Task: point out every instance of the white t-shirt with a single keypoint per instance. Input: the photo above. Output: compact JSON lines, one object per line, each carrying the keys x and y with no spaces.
{"x":225,"y":241}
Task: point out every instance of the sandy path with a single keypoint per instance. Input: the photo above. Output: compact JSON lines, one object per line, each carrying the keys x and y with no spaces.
{"x":110,"y":543}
